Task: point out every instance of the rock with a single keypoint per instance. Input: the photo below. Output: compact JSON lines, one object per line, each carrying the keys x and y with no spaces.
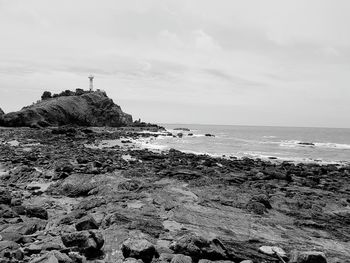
{"x":247,"y":261}
{"x":88,"y":242}
{"x":86,"y":223}
{"x":90,"y":109}
{"x":182,"y":129}
{"x":256,"y":207}
{"x":268,"y":250}
{"x":7,"y":212}
{"x":36,"y":211}
{"x":132,"y":260}
{"x":53,"y":257}
{"x":197,"y":247}
{"x":262,"y":198}
{"x":181,"y":259}
{"x":139,"y":249}
{"x":5,"y":196}
{"x":209,"y":135}
{"x":308,"y":257}
{"x":33,"y":249}
{"x":8,"y":245}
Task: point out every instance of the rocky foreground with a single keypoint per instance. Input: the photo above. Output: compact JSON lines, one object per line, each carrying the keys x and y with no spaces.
{"x":64,"y":200}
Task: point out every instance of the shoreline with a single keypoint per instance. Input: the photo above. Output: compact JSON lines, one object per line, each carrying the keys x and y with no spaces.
{"x":134,"y":193}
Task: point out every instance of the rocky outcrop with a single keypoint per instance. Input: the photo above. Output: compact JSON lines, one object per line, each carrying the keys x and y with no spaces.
{"x":91,"y":109}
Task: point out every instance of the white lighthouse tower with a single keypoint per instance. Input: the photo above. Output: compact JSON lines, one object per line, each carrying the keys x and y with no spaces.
{"x":91,"y":78}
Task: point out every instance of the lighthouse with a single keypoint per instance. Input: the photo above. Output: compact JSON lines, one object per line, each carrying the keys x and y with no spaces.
{"x":91,"y":79}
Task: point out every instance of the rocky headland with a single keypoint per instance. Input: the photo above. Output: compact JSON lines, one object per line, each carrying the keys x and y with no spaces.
{"x":79,"y":108}
{"x":64,"y":197}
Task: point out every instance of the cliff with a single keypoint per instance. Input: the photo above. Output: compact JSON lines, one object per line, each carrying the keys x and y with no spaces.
{"x":90,"y":109}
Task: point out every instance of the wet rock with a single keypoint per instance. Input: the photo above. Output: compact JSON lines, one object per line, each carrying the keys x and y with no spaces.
{"x":88,"y":242}
{"x":181,"y":259}
{"x":139,"y":249}
{"x":5,"y":196}
{"x":86,"y":223}
{"x":36,"y":211}
{"x":308,"y":257}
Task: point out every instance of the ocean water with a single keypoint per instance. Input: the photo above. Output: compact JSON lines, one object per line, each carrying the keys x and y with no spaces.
{"x":327,"y":145}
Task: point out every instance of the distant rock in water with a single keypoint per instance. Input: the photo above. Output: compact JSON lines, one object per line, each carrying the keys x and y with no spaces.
{"x":89,"y":109}
{"x":306,"y":143}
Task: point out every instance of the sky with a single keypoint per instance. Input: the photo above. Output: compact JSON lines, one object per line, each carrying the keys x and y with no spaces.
{"x":247,"y":62}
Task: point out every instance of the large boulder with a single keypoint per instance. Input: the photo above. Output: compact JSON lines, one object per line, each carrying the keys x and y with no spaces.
{"x":36,"y":211}
{"x":198,"y":247}
{"x":90,"y":109}
{"x":139,"y":249}
{"x":88,"y":242}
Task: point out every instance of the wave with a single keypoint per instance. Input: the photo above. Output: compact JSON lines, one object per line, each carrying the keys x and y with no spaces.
{"x":329,"y":145}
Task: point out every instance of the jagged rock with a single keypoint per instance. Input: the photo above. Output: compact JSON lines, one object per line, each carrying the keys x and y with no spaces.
{"x":89,"y":242}
{"x":308,"y":257}
{"x":179,"y":258}
{"x":198,"y":247}
{"x":36,"y":211}
{"x":139,"y":249}
{"x":91,"y":109}
{"x":5,"y":196}
{"x":86,"y":223}
{"x":1,"y":112}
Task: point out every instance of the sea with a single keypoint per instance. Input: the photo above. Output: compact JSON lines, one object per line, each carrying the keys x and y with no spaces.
{"x":316,"y":145}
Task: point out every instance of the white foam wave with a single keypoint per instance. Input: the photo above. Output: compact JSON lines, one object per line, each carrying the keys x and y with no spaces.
{"x":333,"y":145}
{"x":329,"y":145}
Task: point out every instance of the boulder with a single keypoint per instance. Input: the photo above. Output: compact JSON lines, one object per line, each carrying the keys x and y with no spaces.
{"x":53,"y":257}
{"x":308,"y":257}
{"x":90,"y":109}
{"x":271,"y":250}
{"x":5,"y":196}
{"x":36,"y":211}
{"x":199,"y":248}
{"x":179,"y":258}
{"x":86,"y":223}
{"x":139,"y":249}
{"x":88,"y":242}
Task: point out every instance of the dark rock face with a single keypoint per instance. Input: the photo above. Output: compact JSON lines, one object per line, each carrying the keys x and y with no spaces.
{"x":139,"y":249}
{"x":86,"y":223}
{"x":5,"y":196}
{"x":36,"y":211}
{"x":88,"y":242}
{"x":91,"y":109}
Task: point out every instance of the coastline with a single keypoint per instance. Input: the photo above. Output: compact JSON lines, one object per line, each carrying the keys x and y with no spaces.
{"x":162,"y":197}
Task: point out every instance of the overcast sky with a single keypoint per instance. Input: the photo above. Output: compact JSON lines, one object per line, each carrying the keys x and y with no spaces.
{"x":271,"y":62}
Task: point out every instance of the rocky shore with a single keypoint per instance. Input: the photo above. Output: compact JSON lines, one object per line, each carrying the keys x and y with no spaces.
{"x":64,"y":201}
